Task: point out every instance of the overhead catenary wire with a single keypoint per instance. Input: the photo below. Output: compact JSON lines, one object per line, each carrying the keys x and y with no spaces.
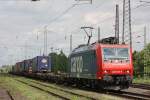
{"x":63,"y":13}
{"x":51,"y":21}
{"x":145,"y":1}
{"x":109,"y":18}
{"x":76,"y":30}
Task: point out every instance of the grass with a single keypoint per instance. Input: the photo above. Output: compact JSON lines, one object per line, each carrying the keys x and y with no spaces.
{"x":25,"y":92}
{"x":28,"y":93}
{"x":72,"y":97}
{"x":142,"y":80}
{"x":85,"y":93}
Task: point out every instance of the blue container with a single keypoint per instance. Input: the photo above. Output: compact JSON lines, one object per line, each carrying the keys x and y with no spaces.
{"x":41,"y":64}
{"x":27,"y":65}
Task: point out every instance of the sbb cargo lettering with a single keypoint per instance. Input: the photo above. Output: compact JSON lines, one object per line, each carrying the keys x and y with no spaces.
{"x":76,"y":64}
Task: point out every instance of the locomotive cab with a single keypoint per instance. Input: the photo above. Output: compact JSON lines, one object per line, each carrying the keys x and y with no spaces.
{"x":115,"y":65}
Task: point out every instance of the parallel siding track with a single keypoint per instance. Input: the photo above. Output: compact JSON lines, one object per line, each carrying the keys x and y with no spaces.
{"x":124,"y":94}
{"x":130,"y":95}
{"x":51,"y":93}
{"x":91,"y":98}
{"x":11,"y":97}
{"x":141,"y":86}
{"x":54,"y":94}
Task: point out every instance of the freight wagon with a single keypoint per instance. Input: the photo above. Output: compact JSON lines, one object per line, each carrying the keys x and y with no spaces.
{"x":37,"y":64}
{"x":22,"y":66}
{"x":26,"y":64}
{"x":41,"y":64}
{"x":17,"y":68}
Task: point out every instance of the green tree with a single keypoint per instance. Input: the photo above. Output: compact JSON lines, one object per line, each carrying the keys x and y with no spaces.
{"x":6,"y":68}
{"x":140,"y":60}
{"x":63,"y":62}
{"x":59,"y":62}
{"x":54,"y":61}
{"x":146,"y":58}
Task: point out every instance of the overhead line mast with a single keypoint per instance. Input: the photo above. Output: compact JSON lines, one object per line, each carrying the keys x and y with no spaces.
{"x":127,"y":34}
{"x":99,"y":34}
{"x":117,"y":25}
{"x":70,"y":43}
{"x":45,"y":41}
{"x":145,"y":53}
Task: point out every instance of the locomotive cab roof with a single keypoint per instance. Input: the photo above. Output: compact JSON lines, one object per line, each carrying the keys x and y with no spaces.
{"x":106,"y":42}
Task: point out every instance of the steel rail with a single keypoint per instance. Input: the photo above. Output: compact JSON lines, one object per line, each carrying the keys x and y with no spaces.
{"x":80,"y":95}
{"x":51,"y":93}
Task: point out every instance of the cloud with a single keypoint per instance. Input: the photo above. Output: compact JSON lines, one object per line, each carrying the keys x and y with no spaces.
{"x":95,"y":17}
{"x":20,"y":21}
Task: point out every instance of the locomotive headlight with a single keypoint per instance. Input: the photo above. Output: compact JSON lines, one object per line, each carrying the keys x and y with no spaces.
{"x":105,"y":71}
{"x":128,"y":71}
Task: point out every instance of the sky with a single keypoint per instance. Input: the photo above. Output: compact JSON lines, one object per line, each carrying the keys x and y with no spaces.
{"x":22,"y":24}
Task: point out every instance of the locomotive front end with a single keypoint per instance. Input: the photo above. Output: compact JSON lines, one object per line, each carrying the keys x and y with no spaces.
{"x":117,"y":68}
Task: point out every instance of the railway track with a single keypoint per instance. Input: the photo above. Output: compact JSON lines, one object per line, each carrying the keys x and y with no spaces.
{"x":59,"y":89}
{"x":10,"y":96}
{"x":124,"y":94}
{"x":51,"y":93}
{"x":5,"y":94}
{"x":141,"y":86}
{"x":130,"y":95}
{"x":67,"y":91}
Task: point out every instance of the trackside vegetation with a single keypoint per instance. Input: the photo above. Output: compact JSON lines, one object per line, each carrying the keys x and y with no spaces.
{"x":142,"y":80}
{"x":141,"y":61}
{"x":5,"y":68}
{"x":20,"y":91}
{"x":59,"y":62}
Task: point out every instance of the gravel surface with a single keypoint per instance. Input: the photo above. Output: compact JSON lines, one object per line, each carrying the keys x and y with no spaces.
{"x":137,"y":90}
{"x":4,"y":94}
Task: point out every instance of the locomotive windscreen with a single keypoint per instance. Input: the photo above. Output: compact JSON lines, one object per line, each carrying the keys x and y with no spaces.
{"x":116,"y":53}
